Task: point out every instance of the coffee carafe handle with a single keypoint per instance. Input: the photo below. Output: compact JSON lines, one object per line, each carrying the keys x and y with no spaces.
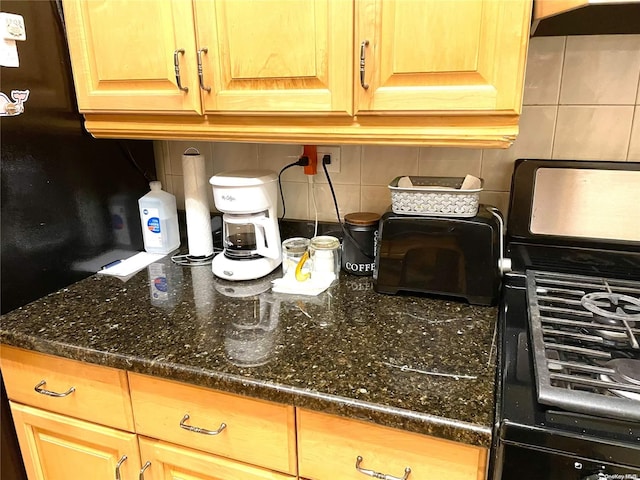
{"x":267,"y":243}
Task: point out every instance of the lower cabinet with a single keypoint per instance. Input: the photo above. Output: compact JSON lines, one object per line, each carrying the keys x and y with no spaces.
{"x":331,"y":447}
{"x":57,"y":447}
{"x":251,"y":431}
{"x":72,"y":425}
{"x":155,"y":429}
{"x":172,"y":462}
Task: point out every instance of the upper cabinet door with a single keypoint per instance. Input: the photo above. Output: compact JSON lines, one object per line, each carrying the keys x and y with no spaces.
{"x":123,"y":54}
{"x":273,"y":56}
{"x":441,"y":55}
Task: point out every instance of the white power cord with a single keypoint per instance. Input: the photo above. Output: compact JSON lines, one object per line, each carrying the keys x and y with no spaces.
{"x":315,"y":206}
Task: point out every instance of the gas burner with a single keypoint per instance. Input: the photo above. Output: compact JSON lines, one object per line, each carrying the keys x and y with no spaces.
{"x":626,"y":371}
{"x":612,"y":308}
{"x":578,"y":324}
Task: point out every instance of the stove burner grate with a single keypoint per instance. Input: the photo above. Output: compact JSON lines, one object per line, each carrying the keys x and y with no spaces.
{"x":584,"y":335}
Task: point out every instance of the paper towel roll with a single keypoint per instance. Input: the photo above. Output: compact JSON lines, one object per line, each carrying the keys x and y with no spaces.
{"x":196,"y":204}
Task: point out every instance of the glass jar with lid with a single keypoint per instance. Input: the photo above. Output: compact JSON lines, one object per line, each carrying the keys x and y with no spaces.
{"x":292,"y":251}
{"x":325,"y":254}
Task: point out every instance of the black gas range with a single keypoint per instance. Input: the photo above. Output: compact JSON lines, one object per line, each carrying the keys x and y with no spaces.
{"x":568,"y":386}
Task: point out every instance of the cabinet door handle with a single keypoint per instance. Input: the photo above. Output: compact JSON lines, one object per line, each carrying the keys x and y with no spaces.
{"x":363,"y":45}
{"x":144,"y":467}
{"x":200,"y":75}
{"x":38,"y":388}
{"x":176,"y":64}
{"x":204,"y":431}
{"x":381,"y":476}
{"x":122,"y":459}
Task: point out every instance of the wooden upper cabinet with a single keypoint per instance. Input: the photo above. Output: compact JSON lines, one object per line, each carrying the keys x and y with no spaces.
{"x":276,"y":56}
{"x":123,"y":55}
{"x":463,"y":56}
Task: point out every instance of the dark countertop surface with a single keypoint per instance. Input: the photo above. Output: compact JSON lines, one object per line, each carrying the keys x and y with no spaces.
{"x":341,"y":352}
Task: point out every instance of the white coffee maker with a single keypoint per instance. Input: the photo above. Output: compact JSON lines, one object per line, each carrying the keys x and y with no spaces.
{"x":251,"y":237}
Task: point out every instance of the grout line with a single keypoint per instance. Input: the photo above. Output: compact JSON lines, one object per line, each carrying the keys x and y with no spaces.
{"x":564,"y":57}
{"x":362,"y":147}
{"x":591,"y":105}
{"x":555,"y":121}
{"x":633,"y":124}
{"x":633,"y":120}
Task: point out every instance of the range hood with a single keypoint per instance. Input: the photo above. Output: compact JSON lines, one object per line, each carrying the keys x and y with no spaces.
{"x":585,"y":17}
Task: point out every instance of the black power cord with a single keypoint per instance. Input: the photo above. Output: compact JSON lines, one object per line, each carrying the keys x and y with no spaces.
{"x":301,"y":162}
{"x":346,"y":233}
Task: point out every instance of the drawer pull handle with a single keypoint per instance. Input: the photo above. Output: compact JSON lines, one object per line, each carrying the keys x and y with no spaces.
{"x":122,"y":459}
{"x":204,"y":431}
{"x":381,"y":476}
{"x":144,"y":467}
{"x":200,"y":74}
{"x":176,"y":66}
{"x":38,"y":388}
{"x":363,"y":45}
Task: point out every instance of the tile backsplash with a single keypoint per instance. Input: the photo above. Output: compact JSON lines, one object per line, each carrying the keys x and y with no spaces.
{"x":581,"y":101}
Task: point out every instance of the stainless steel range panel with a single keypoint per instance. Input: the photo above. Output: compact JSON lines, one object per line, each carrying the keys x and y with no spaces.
{"x":584,"y":331}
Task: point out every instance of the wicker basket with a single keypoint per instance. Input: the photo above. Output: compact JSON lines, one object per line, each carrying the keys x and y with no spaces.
{"x":436,"y":197}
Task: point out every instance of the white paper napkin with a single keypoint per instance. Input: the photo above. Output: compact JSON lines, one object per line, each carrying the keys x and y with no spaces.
{"x":313,"y":286}
{"x":131,"y":265}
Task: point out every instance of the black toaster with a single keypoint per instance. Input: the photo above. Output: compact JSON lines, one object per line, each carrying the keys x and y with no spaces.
{"x":448,"y":256}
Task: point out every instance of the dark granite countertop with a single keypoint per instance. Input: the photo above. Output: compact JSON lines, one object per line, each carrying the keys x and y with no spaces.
{"x":344,"y":352}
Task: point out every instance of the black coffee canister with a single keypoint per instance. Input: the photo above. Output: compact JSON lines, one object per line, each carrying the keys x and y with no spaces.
{"x":359,"y":243}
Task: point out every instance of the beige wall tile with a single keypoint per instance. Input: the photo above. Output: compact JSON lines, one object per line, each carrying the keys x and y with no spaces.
{"x":275,"y":157}
{"x":176,"y":150}
{"x":634,"y":144}
{"x":161,"y":156}
{"x":296,"y":196}
{"x":593,"y":133}
{"x":167,"y":184}
{"x":234,"y":156}
{"x":601,"y":69}
{"x":497,"y":199}
{"x":176,"y":185}
{"x":348,"y":197}
{"x":375,"y":199}
{"x":534,"y":141}
{"x":349,"y":167}
{"x":544,"y":70}
{"x":449,"y":162}
{"x":381,"y":164}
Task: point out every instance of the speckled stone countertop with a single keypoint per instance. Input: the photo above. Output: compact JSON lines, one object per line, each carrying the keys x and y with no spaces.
{"x":412,"y":362}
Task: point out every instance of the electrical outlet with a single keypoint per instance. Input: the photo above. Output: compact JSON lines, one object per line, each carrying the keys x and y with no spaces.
{"x":334,"y":151}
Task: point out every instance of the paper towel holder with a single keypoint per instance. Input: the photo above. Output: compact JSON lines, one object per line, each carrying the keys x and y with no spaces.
{"x":198,"y":216}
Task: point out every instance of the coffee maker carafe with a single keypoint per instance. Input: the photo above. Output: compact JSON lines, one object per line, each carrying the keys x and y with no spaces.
{"x":251,"y":237}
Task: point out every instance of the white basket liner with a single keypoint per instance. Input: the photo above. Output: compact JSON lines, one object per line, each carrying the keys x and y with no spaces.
{"x":444,"y":200}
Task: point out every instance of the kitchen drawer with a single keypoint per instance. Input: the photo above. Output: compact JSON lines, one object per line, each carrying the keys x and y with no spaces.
{"x":329,"y":446}
{"x":256,"y":432}
{"x":100,"y":394}
{"x":172,"y":461}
